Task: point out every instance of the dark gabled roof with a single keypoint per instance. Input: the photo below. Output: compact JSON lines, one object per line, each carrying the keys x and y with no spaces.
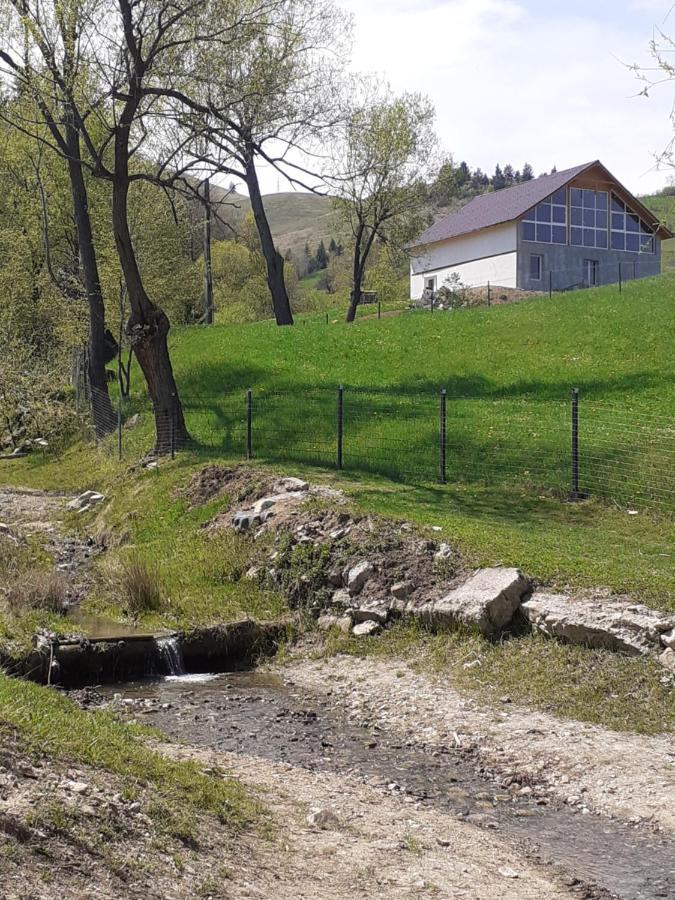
{"x":499,"y":207}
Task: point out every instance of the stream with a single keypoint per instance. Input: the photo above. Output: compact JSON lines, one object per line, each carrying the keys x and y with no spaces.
{"x":259,"y":714}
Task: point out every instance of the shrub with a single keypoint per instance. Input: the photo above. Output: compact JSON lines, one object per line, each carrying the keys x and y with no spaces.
{"x":140,"y":586}
{"x":37,"y":591}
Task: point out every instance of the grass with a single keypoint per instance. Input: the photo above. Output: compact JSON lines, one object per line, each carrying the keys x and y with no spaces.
{"x":620,"y":692}
{"x":47,"y":722}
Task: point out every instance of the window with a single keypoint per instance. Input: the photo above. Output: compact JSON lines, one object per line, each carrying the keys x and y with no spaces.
{"x":591,"y":272}
{"x":588,"y":218}
{"x":629,"y":232}
{"x":430,"y":284}
{"x":547,"y":222}
{"x":536,"y":265}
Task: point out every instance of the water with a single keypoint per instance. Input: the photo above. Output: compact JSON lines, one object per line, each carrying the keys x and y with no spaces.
{"x":171,"y":656}
{"x":261,"y":714}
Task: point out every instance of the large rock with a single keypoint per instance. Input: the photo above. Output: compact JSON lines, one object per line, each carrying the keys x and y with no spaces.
{"x":599,"y":622}
{"x":358,"y":576}
{"x":488,"y":600}
{"x":373,"y":610}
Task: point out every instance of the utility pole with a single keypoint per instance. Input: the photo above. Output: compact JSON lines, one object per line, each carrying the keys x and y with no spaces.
{"x":208,"y":270}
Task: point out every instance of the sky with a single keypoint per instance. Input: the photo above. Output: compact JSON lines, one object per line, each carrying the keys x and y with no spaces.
{"x":517,"y":81}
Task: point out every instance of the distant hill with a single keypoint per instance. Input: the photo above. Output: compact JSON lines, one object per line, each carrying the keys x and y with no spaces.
{"x":295,"y":218}
{"x":663,"y":206}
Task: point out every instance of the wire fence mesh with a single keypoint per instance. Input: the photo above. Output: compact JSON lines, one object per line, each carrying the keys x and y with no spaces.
{"x":621,"y":453}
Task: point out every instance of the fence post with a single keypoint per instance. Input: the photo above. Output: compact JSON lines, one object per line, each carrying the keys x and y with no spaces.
{"x":119,"y":425}
{"x":340,"y":425}
{"x":379,"y":308}
{"x":443,"y":436}
{"x":620,"y":282}
{"x":575,"y":493}
{"x":173,"y":426}
{"x":550,"y":284}
{"x":249,"y":424}
{"x":489,"y":294}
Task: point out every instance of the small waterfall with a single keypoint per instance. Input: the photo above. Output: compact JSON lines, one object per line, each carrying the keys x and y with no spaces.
{"x":170,"y":655}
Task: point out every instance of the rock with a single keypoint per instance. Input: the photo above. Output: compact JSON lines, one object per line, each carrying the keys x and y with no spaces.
{"x":444,"y":553}
{"x":376,"y":610}
{"x":327,"y":621}
{"x":400,"y":590}
{"x":667,"y":659}
{"x":668,"y":639}
{"x":341,"y":598}
{"x":290,"y":485}
{"x":40,"y":442}
{"x":85,"y":501}
{"x":364,"y":629}
{"x":358,"y":576}
{"x":335,"y":578}
{"x":599,"y":623}
{"x":133,"y":421}
{"x":506,"y":872}
{"x":76,"y":787}
{"x":488,"y":600}
{"x":324,"y":819}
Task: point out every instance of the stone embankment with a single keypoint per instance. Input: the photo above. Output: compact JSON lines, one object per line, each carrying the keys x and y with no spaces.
{"x":367,"y":571}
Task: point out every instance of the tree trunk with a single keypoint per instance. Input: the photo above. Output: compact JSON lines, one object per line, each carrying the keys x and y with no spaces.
{"x":101,"y":408}
{"x":357,"y":277}
{"x":273,"y":259}
{"x":147,"y":329}
{"x":208,"y":269}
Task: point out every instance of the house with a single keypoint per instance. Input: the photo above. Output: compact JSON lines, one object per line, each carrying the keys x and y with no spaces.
{"x":571,"y":229}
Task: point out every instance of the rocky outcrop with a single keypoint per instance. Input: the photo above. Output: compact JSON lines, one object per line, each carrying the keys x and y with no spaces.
{"x":600,"y":623}
{"x":488,"y":601}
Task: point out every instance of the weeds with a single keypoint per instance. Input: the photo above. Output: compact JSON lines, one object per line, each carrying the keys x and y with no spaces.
{"x":37,"y":590}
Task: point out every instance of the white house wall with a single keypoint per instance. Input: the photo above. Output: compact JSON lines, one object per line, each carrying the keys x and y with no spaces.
{"x":487,"y":255}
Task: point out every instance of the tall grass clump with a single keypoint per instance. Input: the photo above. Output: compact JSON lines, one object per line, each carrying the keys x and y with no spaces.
{"x":140,"y":586}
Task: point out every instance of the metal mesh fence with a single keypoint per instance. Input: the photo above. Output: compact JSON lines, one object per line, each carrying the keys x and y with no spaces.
{"x":621,"y":453}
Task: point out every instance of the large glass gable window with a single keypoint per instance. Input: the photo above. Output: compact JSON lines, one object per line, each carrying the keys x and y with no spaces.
{"x":547,"y":222}
{"x":588,"y":218}
{"x":629,"y":232}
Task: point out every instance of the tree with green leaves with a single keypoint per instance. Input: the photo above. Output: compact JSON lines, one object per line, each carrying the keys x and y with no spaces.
{"x":42,"y":54}
{"x":384,"y":157}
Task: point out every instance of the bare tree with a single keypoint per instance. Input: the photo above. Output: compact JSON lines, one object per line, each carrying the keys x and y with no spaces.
{"x":383,"y":159}
{"x":42,"y":52}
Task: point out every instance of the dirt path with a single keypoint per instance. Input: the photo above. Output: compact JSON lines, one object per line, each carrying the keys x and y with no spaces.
{"x":629,"y":776}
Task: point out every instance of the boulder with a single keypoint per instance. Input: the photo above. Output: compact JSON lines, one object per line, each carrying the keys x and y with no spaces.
{"x":667,"y":659}
{"x":358,"y":575}
{"x":599,"y":623}
{"x":488,"y":600}
{"x":366,"y":628}
{"x":376,"y":610}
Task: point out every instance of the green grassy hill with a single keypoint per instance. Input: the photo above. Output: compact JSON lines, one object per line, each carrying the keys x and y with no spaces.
{"x":295,"y":218}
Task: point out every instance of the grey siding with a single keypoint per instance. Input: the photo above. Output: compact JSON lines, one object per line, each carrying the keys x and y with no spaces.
{"x":566,"y":265}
